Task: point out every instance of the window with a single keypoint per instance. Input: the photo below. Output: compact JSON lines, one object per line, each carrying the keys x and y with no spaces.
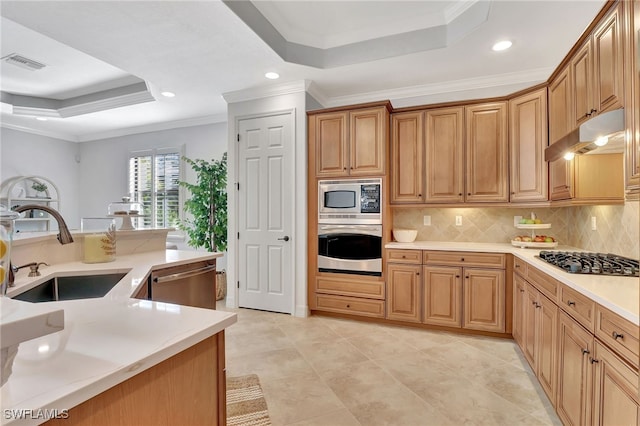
{"x":153,"y":182}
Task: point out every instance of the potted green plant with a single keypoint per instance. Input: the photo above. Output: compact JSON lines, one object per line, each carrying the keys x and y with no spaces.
{"x":206,"y":222}
{"x":39,"y":187}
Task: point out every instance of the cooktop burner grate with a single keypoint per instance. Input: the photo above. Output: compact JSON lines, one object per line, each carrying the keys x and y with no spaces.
{"x":592,"y":263}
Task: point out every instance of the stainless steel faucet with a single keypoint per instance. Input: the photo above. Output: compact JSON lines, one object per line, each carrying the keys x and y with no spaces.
{"x":64,"y":236}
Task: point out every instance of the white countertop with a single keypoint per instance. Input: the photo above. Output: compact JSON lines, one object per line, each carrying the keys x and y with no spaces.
{"x":105,"y":340}
{"x":619,"y":294}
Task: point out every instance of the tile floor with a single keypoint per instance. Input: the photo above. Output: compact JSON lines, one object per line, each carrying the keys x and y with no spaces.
{"x":337,"y":372}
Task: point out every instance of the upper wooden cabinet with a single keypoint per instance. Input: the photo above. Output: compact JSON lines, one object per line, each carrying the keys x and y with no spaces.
{"x":527,"y":142}
{"x":560,"y":106}
{"x":632,"y":101}
{"x":486,"y":150}
{"x":588,"y":179}
{"x":407,"y":144}
{"x":583,"y":84}
{"x":444,"y":145}
{"x":608,"y":55}
{"x":350,"y":143}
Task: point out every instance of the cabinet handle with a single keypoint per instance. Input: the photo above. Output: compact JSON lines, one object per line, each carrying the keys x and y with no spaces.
{"x":593,"y":110}
{"x":588,"y":114}
{"x":517,"y":265}
{"x":459,"y":194}
{"x":419,"y":195}
{"x":468,"y":193}
{"x":617,"y":335}
{"x":570,"y":303}
{"x":348,"y":306}
{"x":585,"y":351}
{"x":457,"y":276}
{"x":467,"y":277}
{"x":462,"y":259}
{"x":538,"y":306}
{"x":593,"y":360}
{"x":417,"y":273}
{"x":521,"y":290}
{"x":404,"y":257}
{"x":513,"y":193}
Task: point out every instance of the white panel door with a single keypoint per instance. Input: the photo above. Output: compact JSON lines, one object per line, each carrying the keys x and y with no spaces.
{"x":265,"y":216}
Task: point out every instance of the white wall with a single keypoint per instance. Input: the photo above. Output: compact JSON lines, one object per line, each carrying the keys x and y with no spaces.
{"x":27,"y":154}
{"x":253,"y":108}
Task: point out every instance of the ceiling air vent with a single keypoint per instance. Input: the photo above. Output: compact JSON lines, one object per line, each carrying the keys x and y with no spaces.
{"x":23,"y":62}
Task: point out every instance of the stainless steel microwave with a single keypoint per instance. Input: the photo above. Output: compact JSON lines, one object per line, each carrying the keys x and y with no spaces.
{"x":350,"y":201}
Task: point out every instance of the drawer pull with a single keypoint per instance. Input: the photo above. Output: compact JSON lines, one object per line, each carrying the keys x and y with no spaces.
{"x":617,"y":335}
{"x":404,"y":257}
{"x":521,"y":290}
{"x":517,"y":265}
{"x":462,"y":259}
{"x":348,"y":306}
{"x":570,"y":303}
{"x":593,"y":360}
{"x":457,"y":276}
{"x":585,"y":351}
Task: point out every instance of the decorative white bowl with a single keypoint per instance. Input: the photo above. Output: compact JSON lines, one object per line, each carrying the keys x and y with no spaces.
{"x":405,"y":235}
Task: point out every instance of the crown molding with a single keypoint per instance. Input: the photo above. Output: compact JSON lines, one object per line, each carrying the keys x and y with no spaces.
{"x":56,"y":135}
{"x":266,"y":91}
{"x":494,"y":81}
{"x":313,"y":89}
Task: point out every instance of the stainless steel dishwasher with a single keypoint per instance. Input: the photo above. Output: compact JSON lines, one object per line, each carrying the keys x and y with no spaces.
{"x":189,"y":285}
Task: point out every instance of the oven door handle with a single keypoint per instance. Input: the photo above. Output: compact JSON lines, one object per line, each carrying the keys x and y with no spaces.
{"x":338,"y":228}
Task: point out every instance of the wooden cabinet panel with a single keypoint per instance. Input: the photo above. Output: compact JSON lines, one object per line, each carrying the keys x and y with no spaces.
{"x":560,"y":106}
{"x":404,"y":256}
{"x":464,"y":258}
{"x":582,"y":69}
{"x":528,"y":140}
{"x":547,"y":333}
{"x":444,"y":145}
{"x":403,"y":292}
{"x":356,"y":286}
{"x":350,"y":305}
{"x":580,"y":307}
{"x":520,"y":267}
{"x":367,"y":141}
{"x":486,"y":151}
{"x":442,"y":302}
{"x":632,"y":101}
{"x":608,"y":55}
{"x":483,"y":294}
{"x":561,"y":186}
{"x":331,"y":144}
{"x":619,"y":334}
{"x":530,"y":347}
{"x":407,"y":157}
{"x":547,"y":285}
{"x":599,"y":177}
{"x":575,"y":387}
{"x":616,"y":397}
{"x":519,"y":299}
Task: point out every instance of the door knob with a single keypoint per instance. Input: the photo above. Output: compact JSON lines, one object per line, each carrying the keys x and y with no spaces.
{"x":285,"y":238}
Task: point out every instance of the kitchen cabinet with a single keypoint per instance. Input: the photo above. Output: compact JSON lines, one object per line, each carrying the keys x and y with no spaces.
{"x":561,"y":183}
{"x":560,"y":106}
{"x":519,"y":300}
{"x":583,"y":84}
{"x":350,"y":143}
{"x":486,"y":153}
{"x":527,"y":141}
{"x":403,"y":292}
{"x":407,"y":175}
{"x":632,"y":101}
{"x":483,"y":295}
{"x":608,"y":54}
{"x":442,"y":296}
{"x":575,"y":387}
{"x":444,"y":146}
{"x":349,"y":294}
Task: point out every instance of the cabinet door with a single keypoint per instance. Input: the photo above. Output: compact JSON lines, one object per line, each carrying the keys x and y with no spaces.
{"x":616,"y":397}
{"x":367,"y":141}
{"x":561,"y":181}
{"x":519,"y":285}
{"x":608,"y":46}
{"x":407,"y":144}
{"x":575,"y":345}
{"x":560,"y":110}
{"x":483,"y":295}
{"x":583,"y":84}
{"x":528,"y":131}
{"x":442,"y":302}
{"x":547,"y":335}
{"x":444,"y":144}
{"x":331,"y":144}
{"x":530,"y":346}
{"x":403,"y":292}
{"x":632,"y":103}
{"x":486,"y":151}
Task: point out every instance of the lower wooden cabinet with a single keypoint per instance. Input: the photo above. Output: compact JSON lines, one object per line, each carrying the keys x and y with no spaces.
{"x":403,"y":293}
{"x":441,"y":304}
{"x":483,"y":295}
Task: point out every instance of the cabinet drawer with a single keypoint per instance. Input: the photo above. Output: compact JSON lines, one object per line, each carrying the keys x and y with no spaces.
{"x":578,"y":306}
{"x":351,"y":287}
{"x":463,"y":258}
{"x":550,"y":287}
{"x":404,"y":256}
{"x":618,"y":333}
{"x":520,"y":267}
{"x":350,"y":305}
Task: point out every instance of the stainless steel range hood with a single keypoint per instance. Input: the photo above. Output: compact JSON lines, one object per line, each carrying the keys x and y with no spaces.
{"x":583,"y":139}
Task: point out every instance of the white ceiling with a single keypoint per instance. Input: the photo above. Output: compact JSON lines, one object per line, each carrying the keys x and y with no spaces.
{"x":425,"y":51}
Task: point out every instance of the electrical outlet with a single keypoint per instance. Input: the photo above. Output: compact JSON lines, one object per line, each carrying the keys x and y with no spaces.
{"x":458,"y":220}
{"x":426,"y":220}
{"x":516,"y":220}
{"x":594,"y":225}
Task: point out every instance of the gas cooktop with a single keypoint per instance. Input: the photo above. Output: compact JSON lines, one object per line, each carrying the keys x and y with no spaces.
{"x":592,"y":263}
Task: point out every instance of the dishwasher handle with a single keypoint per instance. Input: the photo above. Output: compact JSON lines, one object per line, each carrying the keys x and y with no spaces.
{"x":186,"y":274}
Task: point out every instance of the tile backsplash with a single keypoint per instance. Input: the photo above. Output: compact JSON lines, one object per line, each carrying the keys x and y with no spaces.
{"x":617,"y":226}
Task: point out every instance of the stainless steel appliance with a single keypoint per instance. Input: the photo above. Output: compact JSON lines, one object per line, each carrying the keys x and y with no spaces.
{"x":190,"y":285}
{"x":350,"y":249}
{"x":592,"y":263}
{"x":350,"y":201}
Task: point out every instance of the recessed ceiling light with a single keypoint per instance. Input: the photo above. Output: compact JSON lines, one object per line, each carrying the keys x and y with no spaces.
{"x":569,"y":156}
{"x":602,"y":141}
{"x":41,"y":118}
{"x":502,"y":45}
{"x":272,"y":75}
{"x":168,"y":94}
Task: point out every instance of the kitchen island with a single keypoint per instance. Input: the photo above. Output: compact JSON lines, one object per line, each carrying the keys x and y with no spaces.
{"x":119,"y":359}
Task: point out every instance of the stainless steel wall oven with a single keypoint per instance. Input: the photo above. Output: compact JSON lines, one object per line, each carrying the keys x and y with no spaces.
{"x":350,"y":249}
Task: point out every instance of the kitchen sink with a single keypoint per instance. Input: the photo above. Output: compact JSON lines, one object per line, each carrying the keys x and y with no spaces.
{"x":70,"y":288}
